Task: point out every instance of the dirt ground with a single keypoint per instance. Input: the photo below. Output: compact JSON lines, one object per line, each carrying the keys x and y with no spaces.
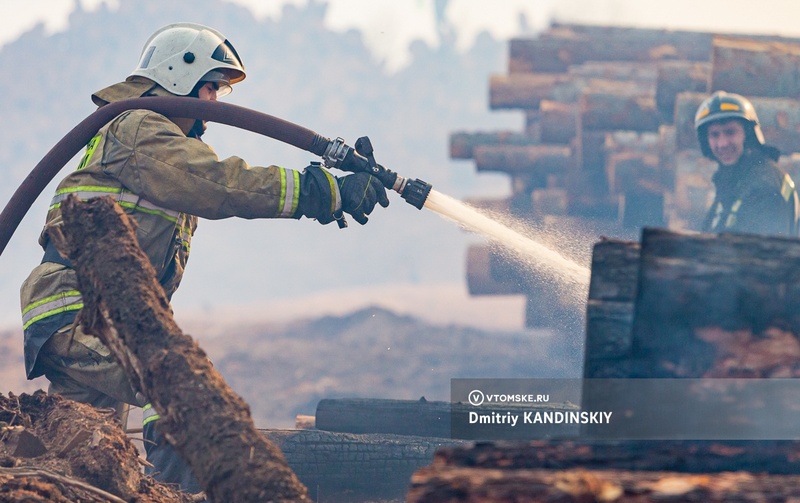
{"x":56,"y":450}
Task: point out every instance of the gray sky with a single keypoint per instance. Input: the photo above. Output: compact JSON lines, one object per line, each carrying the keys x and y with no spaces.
{"x":390,"y":25}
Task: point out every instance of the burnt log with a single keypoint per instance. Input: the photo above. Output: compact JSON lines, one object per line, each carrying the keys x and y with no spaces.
{"x":209,"y":424}
{"x":463,"y":144}
{"x":734,"y":282}
{"x":755,"y":68}
{"x":400,"y":417}
{"x":676,"y":77}
{"x":777,"y":457}
{"x":539,"y":160}
{"x":355,"y":467}
{"x":609,"y":310}
{"x":452,"y":484}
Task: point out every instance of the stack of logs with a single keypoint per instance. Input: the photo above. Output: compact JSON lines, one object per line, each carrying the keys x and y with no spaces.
{"x":609,"y":143}
{"x":677,"y":307}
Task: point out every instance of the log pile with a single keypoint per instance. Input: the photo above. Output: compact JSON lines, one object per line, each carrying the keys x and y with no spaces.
{"x":672,"y":311}
{"x":609,"y":139}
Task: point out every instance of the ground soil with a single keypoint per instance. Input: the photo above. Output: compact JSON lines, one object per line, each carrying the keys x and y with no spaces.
{"x":87,"y":457}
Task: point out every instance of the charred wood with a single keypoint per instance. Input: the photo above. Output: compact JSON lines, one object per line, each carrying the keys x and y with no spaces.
{"x":609,"y":310}
{"x":453,"y":484}
{"x":348,"y":467}
{"x":777,"y":457}
{"x":201,"y":416}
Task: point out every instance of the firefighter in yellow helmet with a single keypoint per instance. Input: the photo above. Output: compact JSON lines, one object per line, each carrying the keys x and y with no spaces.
{"x":164,"y":177}
{"x":753,"y":195}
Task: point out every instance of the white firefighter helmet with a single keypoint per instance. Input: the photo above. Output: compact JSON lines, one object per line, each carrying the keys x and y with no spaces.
{"x":180,"y":55}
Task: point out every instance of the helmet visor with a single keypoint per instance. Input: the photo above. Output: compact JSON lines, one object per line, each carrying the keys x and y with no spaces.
{"x":220,"y":80}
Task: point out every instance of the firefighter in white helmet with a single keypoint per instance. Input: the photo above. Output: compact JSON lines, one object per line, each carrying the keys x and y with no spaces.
{"x":753,"y":195}
{"x":165,"y":178}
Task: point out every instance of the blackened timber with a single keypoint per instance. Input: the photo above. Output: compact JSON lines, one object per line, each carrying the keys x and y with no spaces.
{"x":690,"y":281}
{"x":777,"y":457}
{"x":355,"y":467}
{"x":466,"y":484}
{"x":609,"y":311}
{"x":206,"y":422}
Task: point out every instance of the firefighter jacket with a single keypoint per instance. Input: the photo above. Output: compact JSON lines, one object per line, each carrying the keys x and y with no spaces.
{"x":753,"y":196}
{"x":164,"y":180}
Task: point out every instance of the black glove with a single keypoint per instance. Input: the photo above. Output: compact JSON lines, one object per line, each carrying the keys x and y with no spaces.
{"x":360,"y":192}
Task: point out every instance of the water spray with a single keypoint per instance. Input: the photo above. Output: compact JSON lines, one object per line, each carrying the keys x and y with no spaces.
{"x":420,"y":194}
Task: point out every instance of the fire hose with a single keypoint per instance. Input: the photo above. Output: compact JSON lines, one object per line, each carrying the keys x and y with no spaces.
{"x":334,"y":153}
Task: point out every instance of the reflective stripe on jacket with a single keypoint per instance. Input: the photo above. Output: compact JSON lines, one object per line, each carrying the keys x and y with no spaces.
{"x":754,"y":196}
{"x":164,"y":181}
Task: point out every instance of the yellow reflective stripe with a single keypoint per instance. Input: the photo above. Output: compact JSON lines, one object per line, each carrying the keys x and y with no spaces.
{"x":83,"y":192}
{"x":282,"y":199}
{"x":729,"y":106}
{"x":186,"y":237}
{"x":55,"y":304}
{"x":90,"y":148}
{"x":161,"y":213}
{"x":296,"y":193}
{"x":149,"y":414}
{"x":290,"y":192}
{"x":125,"y":199}
{"x":787,"y":187}
{"x":336,"y":198}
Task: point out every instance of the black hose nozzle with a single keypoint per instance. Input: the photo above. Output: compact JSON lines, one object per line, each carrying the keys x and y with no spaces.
{"x":416,"y":192}
{"x":361,"y":159}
